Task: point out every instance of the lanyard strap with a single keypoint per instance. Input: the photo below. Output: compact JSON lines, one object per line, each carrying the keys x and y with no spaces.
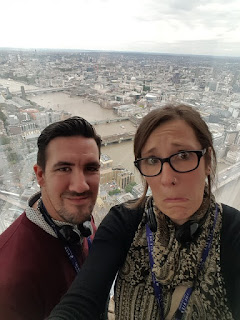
{"x":71,"y":256}
{"x":158,"y":287}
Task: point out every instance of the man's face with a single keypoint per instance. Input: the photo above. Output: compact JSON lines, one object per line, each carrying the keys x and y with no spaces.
{"x":69,"y":184}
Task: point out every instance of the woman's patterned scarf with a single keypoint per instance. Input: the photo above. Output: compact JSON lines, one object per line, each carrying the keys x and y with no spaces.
{"x":176,"y":268}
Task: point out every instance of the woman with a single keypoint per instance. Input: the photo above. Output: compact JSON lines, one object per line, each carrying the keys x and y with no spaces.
{"x":177,"y":251}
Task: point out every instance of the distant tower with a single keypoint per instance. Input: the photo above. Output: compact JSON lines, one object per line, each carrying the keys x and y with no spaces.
{"x":8,"y":94}
{"x":23,"y":93}
{"x":235,"y":78}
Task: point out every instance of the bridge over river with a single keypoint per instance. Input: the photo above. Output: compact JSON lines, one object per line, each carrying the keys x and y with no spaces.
{"x":105,"y":121}
{"x":44,"y":90}
{"x":117,"y":138}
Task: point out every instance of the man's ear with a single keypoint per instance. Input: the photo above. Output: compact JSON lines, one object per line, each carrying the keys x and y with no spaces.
{"x":39,"y":174}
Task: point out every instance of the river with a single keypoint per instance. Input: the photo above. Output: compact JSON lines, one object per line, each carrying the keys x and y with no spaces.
{"x":121,"y":153}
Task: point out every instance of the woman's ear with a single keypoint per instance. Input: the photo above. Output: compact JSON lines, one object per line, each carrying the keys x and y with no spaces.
{"x":208,"y":170}
{"x":209,"y":164}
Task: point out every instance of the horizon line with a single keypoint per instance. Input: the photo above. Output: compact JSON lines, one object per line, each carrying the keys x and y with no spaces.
{"x":118,"y":51}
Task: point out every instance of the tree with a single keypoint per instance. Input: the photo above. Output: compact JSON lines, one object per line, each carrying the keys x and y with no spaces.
{"x":13,"y":157}
{"x":113,"y":192}
{"x":4,"y":140}
{"x":146,"y":88}
{"x":3,"y":117}
{"x":129,"y":186}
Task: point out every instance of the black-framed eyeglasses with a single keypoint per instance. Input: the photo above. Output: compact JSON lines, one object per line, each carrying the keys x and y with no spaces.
{"x":183,"y":161}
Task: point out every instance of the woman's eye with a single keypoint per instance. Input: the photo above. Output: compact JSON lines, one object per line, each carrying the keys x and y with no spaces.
{"x":152,"y":161}
{"x":183,"y":155}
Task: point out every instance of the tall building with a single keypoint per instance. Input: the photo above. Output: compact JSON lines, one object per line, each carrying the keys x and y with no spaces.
{"x":23,"y":96}
{"x":106,"y":173}
{"x":233,"y":156}
{"x":231,"y":136}
{"x":124,"y":177}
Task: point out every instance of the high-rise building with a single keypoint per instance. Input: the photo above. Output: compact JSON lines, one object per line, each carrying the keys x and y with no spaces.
{"x":124,"y":177}
{"x":23,"y":96}
{"x":106,"y":173}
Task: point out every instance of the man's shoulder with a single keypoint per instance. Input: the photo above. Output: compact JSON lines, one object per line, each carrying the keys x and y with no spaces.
{"x":13,"y":229}
{"x":16,"y":244}
{"x":20,"y":230}
{"x":35,"y":271}
{"x":24,"y":244}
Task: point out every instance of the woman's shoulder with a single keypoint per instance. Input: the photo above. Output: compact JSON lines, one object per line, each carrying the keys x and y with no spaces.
{"x":229,"y":210}
{"x":230,"y":234}
{"x":130,"y":209}
{"x":126,"y":213}
{"x":120,"y":225}
{"x":231,"y":219}
{"x":230,"y":256}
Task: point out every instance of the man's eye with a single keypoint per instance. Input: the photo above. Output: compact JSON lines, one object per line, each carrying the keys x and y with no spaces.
{"x":93,"y":169}
{"x":64,"y":169}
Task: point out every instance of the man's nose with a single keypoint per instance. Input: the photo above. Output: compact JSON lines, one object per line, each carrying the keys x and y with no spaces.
{"x":78,"y":182}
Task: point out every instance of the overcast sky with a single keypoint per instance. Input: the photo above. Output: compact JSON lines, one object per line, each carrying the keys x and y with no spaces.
{"x":165,"y":26}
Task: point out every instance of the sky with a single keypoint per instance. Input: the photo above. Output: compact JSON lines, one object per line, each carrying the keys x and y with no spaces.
{"x":204,"y":27}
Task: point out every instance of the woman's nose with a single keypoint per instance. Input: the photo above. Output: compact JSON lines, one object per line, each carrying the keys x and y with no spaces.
{"x":168,"y":175}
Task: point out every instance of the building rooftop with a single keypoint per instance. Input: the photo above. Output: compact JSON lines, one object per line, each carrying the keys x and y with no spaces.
{"x":105,"y":157}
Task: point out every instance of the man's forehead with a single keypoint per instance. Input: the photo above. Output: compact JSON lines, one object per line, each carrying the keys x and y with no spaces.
{"x":70,"y":148}
{"x":72,"y":141}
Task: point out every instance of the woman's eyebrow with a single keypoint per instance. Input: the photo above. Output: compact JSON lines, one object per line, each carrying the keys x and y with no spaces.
{"x":178,"y":145}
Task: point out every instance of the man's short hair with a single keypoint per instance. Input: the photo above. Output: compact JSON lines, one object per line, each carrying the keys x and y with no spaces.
{"x":74,"y":126}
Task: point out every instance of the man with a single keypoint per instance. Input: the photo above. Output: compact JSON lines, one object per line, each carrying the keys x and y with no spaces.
{"x":42,"y":251}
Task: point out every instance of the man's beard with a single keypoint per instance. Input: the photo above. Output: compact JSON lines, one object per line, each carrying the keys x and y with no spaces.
{"x":80,"y":213}
{"x":76,"y":217}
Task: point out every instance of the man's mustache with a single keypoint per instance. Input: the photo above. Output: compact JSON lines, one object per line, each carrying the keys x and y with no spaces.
{"x":76,"y":194}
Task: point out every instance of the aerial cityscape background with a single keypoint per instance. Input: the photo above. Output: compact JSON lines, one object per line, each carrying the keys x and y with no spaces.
{"x":113,"y":90}
{"x":112,"y":62}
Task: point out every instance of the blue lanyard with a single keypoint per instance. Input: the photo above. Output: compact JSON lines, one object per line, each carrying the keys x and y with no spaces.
{"x":158,"y":287}
{"x":68,"y":250}
{"x":72,"y":258}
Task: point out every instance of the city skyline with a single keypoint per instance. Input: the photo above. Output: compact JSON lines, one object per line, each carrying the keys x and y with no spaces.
{"x":113,"y":91}
{"x":173,"y":27}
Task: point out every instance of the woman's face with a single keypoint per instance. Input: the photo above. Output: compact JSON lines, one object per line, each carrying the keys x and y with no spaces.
{"x":180,"y":200}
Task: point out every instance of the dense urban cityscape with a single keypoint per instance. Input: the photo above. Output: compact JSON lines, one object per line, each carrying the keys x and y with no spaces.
{"x":125,"y":86}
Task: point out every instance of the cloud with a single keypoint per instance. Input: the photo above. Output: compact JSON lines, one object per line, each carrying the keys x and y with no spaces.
{"x":193,"y":19}
{"x":185,"y":5}
{"x":114,"y":25}
{"x":198,"y":47}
